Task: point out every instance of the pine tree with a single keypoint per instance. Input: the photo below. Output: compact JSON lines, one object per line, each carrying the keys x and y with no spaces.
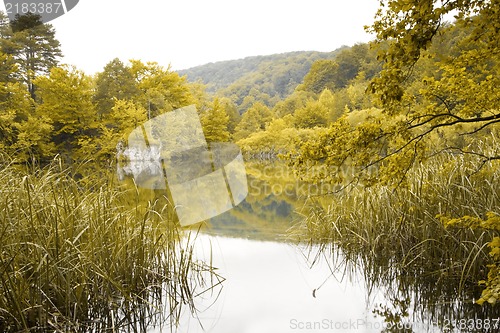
{"x":32,"y":45}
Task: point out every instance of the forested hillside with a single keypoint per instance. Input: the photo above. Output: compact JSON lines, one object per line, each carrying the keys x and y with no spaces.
{"x":259,"y":78}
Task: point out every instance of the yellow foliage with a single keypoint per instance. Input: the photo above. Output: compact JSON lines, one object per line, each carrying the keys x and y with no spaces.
{"x":491,"y":293}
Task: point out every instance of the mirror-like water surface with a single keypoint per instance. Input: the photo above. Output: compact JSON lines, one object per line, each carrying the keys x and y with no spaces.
{"x":270,"y":287}
{"x":273,"y":283}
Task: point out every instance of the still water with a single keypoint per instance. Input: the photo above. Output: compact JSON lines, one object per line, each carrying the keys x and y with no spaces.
{"x":269,"y":288}
{"x":271,"y":283}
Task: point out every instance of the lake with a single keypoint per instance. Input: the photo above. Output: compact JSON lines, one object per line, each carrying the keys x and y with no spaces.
{"x":273,"y":283}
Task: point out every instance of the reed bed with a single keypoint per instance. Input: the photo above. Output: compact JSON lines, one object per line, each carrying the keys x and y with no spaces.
{"x":397,"y":238}
{"x":75,"y":258}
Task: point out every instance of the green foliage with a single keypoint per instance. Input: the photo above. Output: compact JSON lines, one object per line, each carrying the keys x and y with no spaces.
{"x":321,"y":76}
{"x":23,"y":132}
{"x":124,"y":117}
{"x":232,"y":112}
{"x":33,"y":131}
{"x":66,"y":96}
{"x":279,"y":137}
{"x":78,"y":116}
{"x":313,"y":114}
{"x":293,"y":102}
{"x":115,"y":82}
{"x":32,"y":45}
{"x":450,"y":101}
{"x":254,"y":120}
{"x":161,"y":90}
{"x":7,"y":71}
{"x":411,"y":25}
{"x":337,"y":73}
{"x":215,"y":123}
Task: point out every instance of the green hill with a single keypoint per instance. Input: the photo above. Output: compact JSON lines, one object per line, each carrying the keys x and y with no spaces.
{"x":267,"y":78}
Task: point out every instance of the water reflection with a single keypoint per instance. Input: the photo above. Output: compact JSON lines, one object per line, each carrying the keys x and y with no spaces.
{"x":269,"y":287}
{"x":274,"y":284}
{"x":273,"y":205}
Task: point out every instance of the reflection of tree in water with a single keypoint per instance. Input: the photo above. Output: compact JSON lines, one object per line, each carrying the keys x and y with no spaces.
{"x":269,"y":209}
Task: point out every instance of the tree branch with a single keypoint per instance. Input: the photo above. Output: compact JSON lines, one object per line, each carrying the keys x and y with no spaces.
{"x":481,"y":127}
{"x":458,"y":120}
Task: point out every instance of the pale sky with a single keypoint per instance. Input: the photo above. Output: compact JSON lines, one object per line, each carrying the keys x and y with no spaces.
{"x":187,"y":33}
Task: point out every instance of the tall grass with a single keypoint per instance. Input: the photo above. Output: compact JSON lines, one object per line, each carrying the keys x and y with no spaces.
{"x":398,"y":239}
{"x":74,"y":258}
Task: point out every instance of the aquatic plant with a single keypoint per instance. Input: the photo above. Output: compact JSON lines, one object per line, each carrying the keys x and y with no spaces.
{"x":85,"y":258}
{"x":398,"y":238}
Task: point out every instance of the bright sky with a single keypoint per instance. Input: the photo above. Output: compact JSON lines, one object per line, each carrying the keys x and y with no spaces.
{"x":187,"y":33}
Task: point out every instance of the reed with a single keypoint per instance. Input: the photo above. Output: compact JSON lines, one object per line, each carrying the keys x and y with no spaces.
{"x":396,"y":237}
{"x":83,"y":259}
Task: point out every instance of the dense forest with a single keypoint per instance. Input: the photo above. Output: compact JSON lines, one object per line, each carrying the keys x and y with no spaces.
{"x":405,"y":129}
{"x":57,"y":109}
{"x":267,"y":79}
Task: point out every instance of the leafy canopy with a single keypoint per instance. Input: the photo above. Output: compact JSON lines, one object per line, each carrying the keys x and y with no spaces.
{"x":439,"y":90}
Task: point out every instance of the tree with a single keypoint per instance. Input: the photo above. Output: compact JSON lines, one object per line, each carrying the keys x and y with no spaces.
{"x":125,"y":116}
{"x":7,"y":71}
{"x":66,"y":99}
{"x":409,"y":27}
{"x":161,"y":90}
{"x":322,"y":76}
{"x":32,"y":45}
{"x":459,"y":92}
{"x":16,"y":101}
{"x":460,"y":95}
{"x":348,"y":67}
{"x":255,"y":119}
{"x":232,"y":112}
{"x":313,"y":114}
{"x":467,"y":89}
{"x":215,"y":123}
{"x":280,"y":137}
{"x":293,"y":102}
{"x":23,"y":133}
{"x":115,"y":82}
{"x":333,"y":109}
